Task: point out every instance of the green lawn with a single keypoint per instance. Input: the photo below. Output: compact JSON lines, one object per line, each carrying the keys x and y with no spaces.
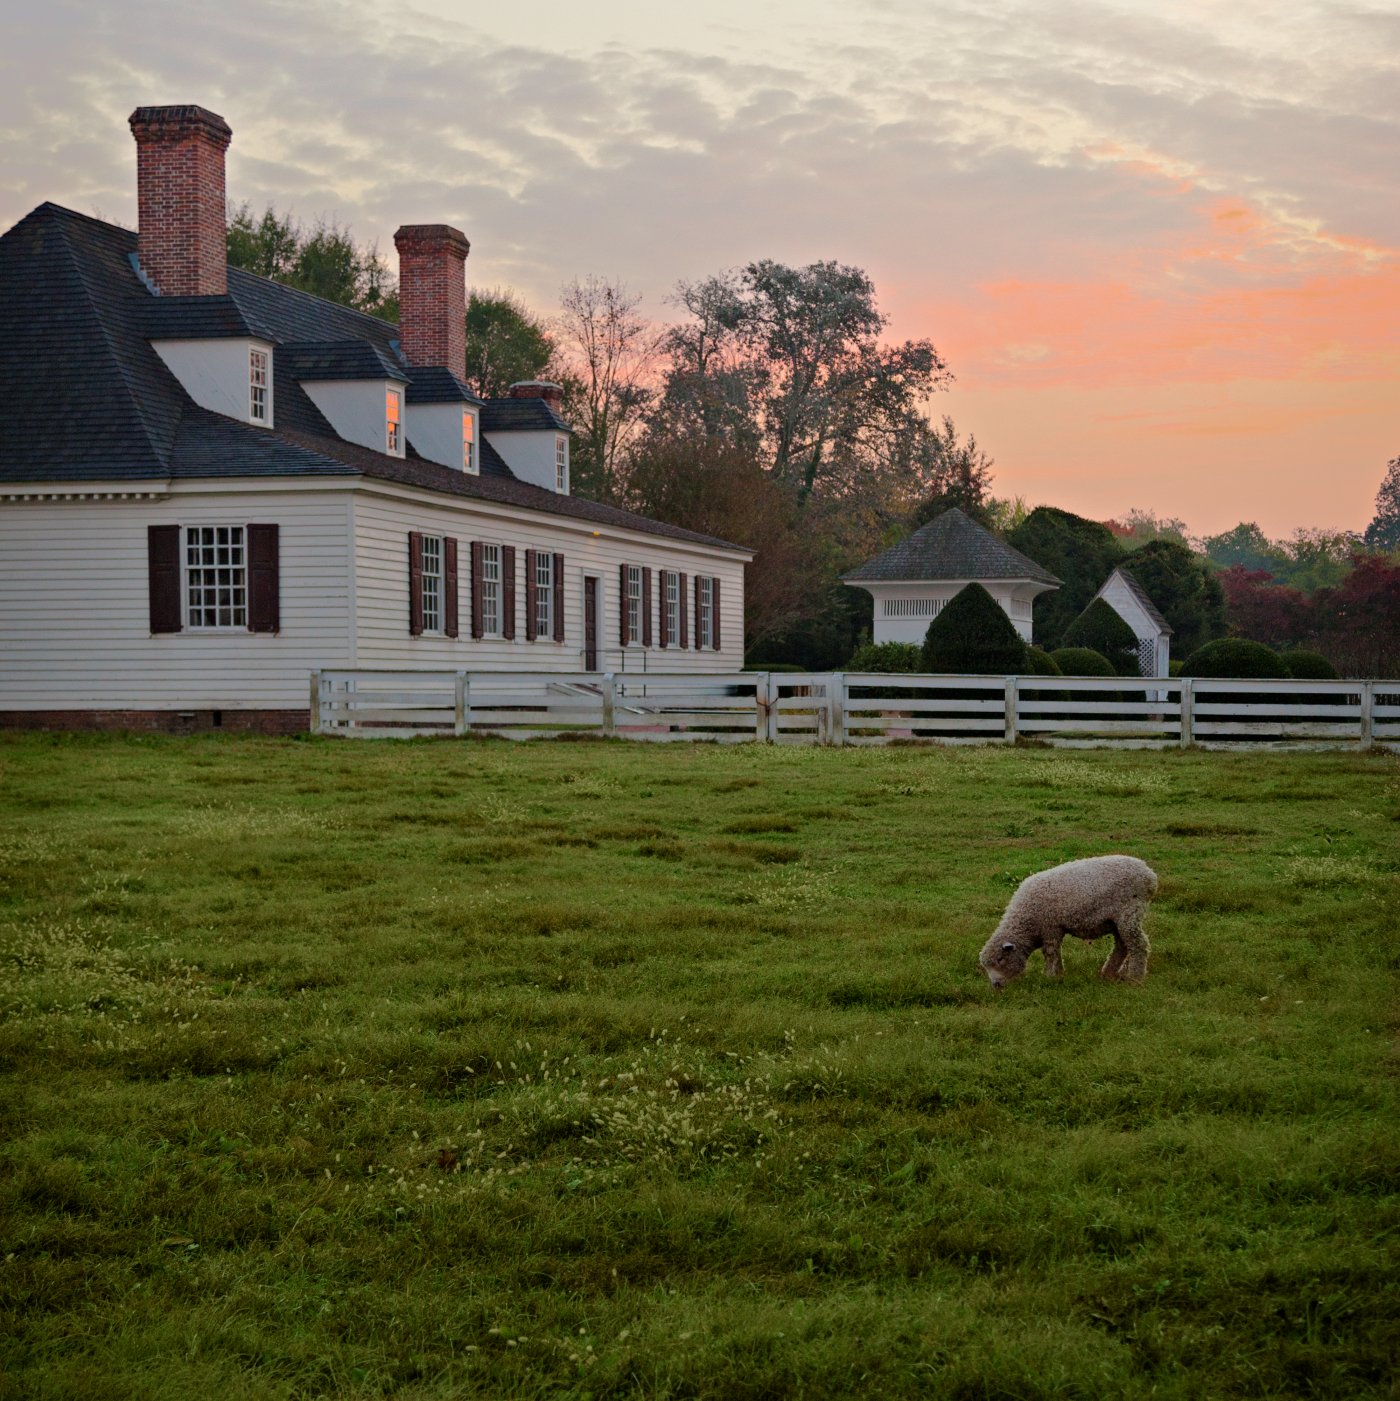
{"x":579,"y":1069}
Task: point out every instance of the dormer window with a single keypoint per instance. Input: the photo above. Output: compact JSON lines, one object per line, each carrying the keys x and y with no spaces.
{"x":469,"y":458}
{"x":257,"y":385}
{"x":393,"y":419}
{"x":561,"y":465}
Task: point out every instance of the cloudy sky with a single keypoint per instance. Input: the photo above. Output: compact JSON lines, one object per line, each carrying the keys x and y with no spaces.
{"x":1158,"y":243}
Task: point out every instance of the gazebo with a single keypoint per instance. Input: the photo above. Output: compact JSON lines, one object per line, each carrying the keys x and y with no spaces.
{"x":911,"y":581}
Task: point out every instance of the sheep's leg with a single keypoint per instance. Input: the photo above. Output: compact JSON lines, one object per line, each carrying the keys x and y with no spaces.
{"x":1132,"y":965}
{"x":1114,"y":963}
{"x":1054,"y":965}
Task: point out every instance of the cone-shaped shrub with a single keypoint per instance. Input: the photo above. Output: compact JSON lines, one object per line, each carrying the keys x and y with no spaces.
{"x":1041,"y":663}
{"x":1234,"y":656}
{"x":1082,"y":661}
{"x":1101,"y":628}
{"x":973,"y":635}
{"x":1308,"y":666}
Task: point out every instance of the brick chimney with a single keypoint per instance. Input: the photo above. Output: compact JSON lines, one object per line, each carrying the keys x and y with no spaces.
{"x":182,"y":237}
{"x":544,"y":389}
{"x":433,"y":295}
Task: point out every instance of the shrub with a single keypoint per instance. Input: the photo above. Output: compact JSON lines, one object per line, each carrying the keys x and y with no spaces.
{"x":1234,"y":657}
{"x":887,"y":656}
{"x":1082,"y":661}
{"x":973,"y":635}
{"x":1101,"y":628}
{"x":1308,"y":666}
{"x":1040,"y":663}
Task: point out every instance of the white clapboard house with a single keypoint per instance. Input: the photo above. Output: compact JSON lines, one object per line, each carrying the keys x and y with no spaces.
{"x":211,"y":484}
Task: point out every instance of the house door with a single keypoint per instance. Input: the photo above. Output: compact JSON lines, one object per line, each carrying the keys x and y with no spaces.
{"x":590,"y":623}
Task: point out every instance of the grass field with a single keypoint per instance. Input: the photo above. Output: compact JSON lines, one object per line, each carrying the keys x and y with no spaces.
{"x":468,"y":1069}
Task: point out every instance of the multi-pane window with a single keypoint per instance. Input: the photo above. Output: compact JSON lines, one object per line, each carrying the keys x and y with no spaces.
{"x":393,"y":417}
{"x":705,"y":612}
{"x":561,"y":464}
{"x":634,"y":603}
{"x":216,"y":576}
{"x":544,"y":594}
{"x":491,"y":590}
{"x":469,"y":458}
{"x":432,"y":583}
{"x":257,"y":385}
{"x":673,"y":607}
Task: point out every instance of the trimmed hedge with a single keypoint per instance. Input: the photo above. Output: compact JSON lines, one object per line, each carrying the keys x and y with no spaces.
{"x":1081,"y":661}
{"x":1101,"y":628}
{"x":887,"y":656}
{"x":1040,"y":663}
{"x":1235,"y":657}
{"x":1309,"y":666}
{"x":973,"y":635}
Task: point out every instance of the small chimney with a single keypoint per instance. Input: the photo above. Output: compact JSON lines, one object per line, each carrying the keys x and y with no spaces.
{"x":433,"y":295}
{"x":544,"y":389}
{"x":182,"y":236}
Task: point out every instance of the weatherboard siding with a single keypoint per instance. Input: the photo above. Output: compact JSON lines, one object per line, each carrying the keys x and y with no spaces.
{"x":384,"y":518}
{"x":75,"y":617}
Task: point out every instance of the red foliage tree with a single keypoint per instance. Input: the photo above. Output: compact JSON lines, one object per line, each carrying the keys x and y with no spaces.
{"x":1357,"y":622}
{"x":1264,"y":611}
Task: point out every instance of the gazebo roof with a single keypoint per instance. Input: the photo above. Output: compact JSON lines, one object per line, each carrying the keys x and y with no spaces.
{"x":1139,"y":594}
{"x":950,"y":546}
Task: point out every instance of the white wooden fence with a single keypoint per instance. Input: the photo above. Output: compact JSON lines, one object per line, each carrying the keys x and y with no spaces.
{"x":850,"y":708}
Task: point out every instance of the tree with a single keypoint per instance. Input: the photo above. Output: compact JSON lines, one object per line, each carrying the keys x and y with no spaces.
{"x":1081,"y":553}
{"x":1317,"y":558}
{"x":1256,"y":607}
{"x":607,"y":350}
{"x":1245,"y":547}
{"x":1101,"y":628}
{"x":960,"y":474}
{"x":1186,"y":591}
{"x":1384,"y":531}
{"x":973,"y":635}
{"x":323,"y":260}
{"x":1140,"y":526}
{"x":505,"y":343}
{"x":1357,"y":623}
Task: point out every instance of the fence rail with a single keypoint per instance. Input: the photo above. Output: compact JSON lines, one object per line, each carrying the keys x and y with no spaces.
{"x":861,"y":708}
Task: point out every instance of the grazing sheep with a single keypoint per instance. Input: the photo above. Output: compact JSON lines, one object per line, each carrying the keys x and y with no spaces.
{"x":1090,"y":898}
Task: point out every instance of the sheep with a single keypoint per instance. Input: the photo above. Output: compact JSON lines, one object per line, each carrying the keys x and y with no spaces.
{"x":1090,"y":898}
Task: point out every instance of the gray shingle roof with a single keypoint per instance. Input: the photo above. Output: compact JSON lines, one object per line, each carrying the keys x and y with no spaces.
{"x":437,"y":385}
{"x":100,"y":404}
{"x":504,"y":415}
{"x":950,"y":546}
{"x":337,"y":360}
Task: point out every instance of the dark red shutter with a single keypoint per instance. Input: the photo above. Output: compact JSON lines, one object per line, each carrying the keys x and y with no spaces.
{"x":415,"y":583}
{"x":646,"y":607}
{"x":624,"y":636}
{"x":532,"y":593}
{"x":558,"y":596}
{"x":449,"y":586}
{"x":699,"y":641}
{"x":508,"y":591}
{"x":477,"y":572}
{"x":714,"y":611}
{"x":163,"y":572}
{"x":264,"y":579}
{"x":680,"y":610}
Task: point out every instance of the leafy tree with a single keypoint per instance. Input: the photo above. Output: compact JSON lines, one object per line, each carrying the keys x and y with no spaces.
{"x":1005,"y":514}
{"x":1186,"y":591}
{"x":1082,"y":661}
{"x":1245,"y":547}
{"x":1234,"y":656}
{"x":1100,"y":628}
{"x":973,"y":635}
{"x":1317,"y":558}
{"x":1081,"y":553}
{"x":1259,"y":608}
{"x":1357,"y":623}
{"x":323,"y":260}
{"x":1384,"y":531}
{"x":1140,"y":526}
{"x":959,"y":472}
{"x":505,"y":343}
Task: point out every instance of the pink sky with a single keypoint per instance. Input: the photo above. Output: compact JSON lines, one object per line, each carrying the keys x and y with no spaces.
{"x":1158,"y":245}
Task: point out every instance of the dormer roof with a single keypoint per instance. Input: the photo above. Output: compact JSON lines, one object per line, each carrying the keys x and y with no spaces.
{"x":437,"y":385}
{"x":950,"y":546}
{"x":521,"y":415}
{"x":337,"y":360}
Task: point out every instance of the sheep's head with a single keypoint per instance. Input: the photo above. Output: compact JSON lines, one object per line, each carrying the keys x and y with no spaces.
{"x":1002,"y":961}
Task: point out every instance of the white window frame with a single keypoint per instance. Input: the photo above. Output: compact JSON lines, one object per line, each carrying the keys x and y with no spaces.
{"x":471,"y":460}
{"x":705,"y":614}
{"x":633,"y":604}
{"x":214,"y":578}
{"x":673,"y":607}
{"x":259,"y":386}
{"x":492,"y":592}
{"x":393,"y":421}
{"x":432,"y":579}
{"x":544,"y":595}
{"x":561,"y":464}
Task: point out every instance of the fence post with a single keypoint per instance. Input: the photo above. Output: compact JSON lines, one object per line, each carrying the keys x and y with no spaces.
{"x":1187,"y":705}
{"x":461,"y":704}
{"x":1010,"y":707}
{"x":836,"y":704}
{"x":315,"y":702}
{"x":1368,"y":711}
{"x":609,"y":705}
{"x":768,"y":728}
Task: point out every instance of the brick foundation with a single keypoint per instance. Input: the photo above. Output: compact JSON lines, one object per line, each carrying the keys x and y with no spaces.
{"x":170,"y":722}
